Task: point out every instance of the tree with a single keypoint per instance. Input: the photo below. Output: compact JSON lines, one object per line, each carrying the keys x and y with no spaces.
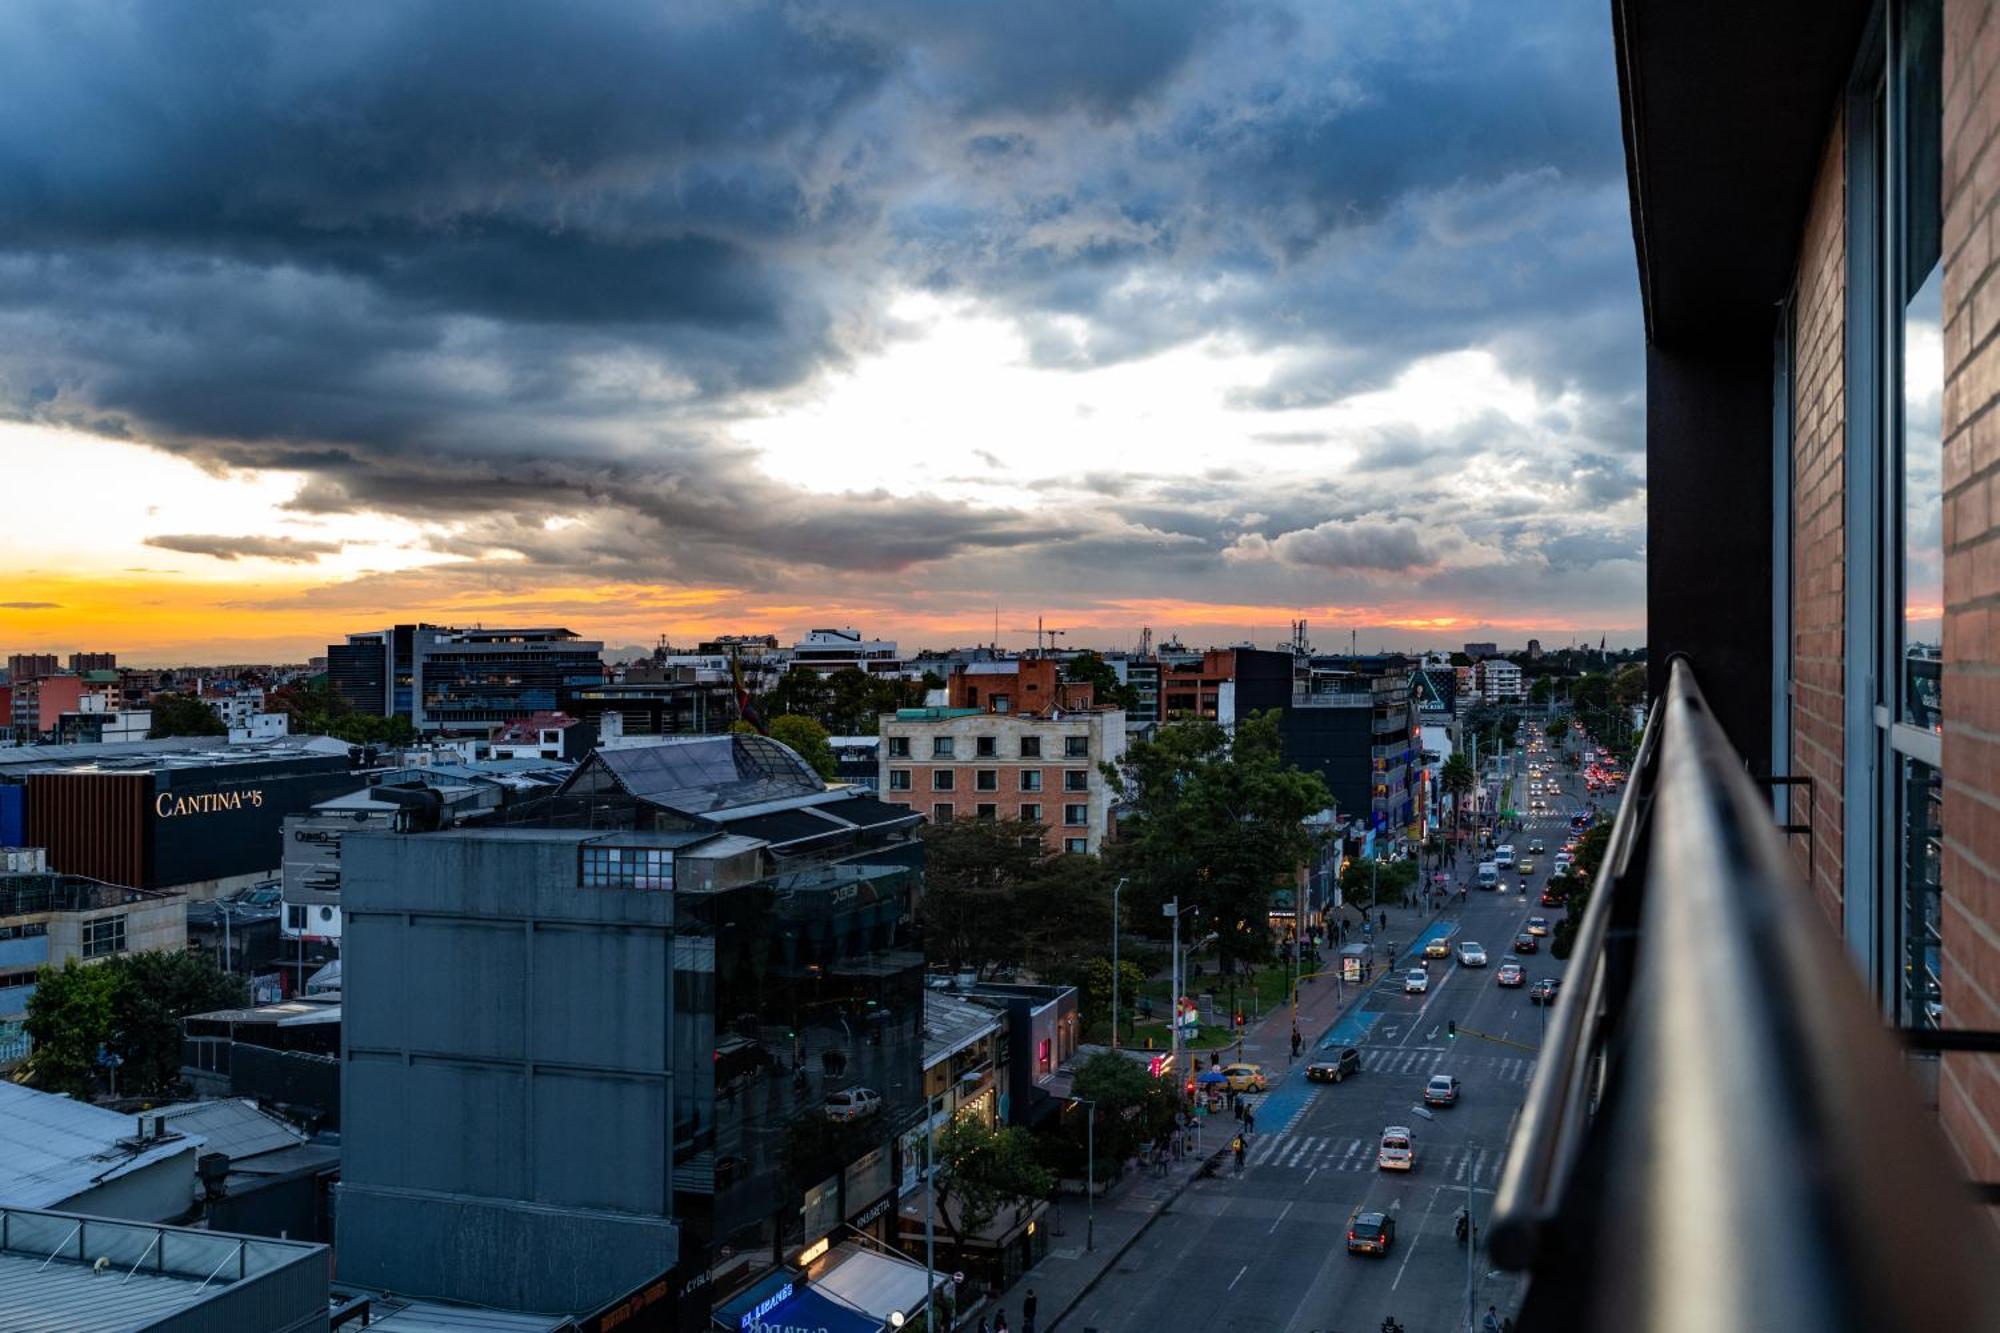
{"x":1063,"y":905}
{"x":1365,"y":882}
{"x":184,"y":715}
{"x":973,"y":873}
{"x":1590,"y":851}
{"x":1458,"y":778}
{"x":983,"y":1170}
{"x":317,"y":709}
{"x":1132,"y":1105}
{"x":1628,"y":685}
{"x":130,"y":1005}
{"x":1092,"y":979}
{"x":1103,"y":679}
{"x":800,"y":692}
{"x":808,"y":738}
{"x":1217,"y":820}
{"x":1542,"y":690}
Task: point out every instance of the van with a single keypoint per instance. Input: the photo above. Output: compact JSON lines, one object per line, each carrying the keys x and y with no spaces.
{"x":1489,"y":875}
{"x":1398,"y":1151}
{"x":1503,"y":856}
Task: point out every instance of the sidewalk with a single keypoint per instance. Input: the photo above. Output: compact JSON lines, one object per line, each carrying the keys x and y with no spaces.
{"x":1128,"y":1207}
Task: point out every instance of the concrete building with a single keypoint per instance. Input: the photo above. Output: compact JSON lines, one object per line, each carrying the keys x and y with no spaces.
{"x":550,"y":735}
{"x":464,"y":680}
{"x":38,"y":703}
{"x":1042,"y":768}
{"x":1359,"y":731}
{"x":97,"y":722}
{"x":57,"y":1152}
{"x":82,"y":662}
{"x":830,"y":650}
{"x":30,"y":666}
{"x":1500,"y":681}
{"x":628,"y":1009}
{"x":235,"y":707}
{"x":1480,"y":651}
{"x":47,"y":919}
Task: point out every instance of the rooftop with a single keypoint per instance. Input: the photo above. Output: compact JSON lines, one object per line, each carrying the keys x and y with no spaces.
{"x":698,"y":775}
{"x":43,"y":891}
{"x":54,"y":1148}
{"x":951,"y":1024}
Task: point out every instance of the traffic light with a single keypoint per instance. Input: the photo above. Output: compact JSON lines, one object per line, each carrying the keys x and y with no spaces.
{"x":1451,"y":1029}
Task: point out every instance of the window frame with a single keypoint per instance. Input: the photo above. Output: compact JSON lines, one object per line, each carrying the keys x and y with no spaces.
{"x":901,"y":779}
{"x":1031,"y":747}
{"x":1031,"y":780}
{"x":944,"y":779}
{"x":1076,"y":779}
{"x":1070,"y":810}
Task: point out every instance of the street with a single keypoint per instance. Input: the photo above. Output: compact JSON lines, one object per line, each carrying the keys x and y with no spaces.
{"x":1266,"y":1250}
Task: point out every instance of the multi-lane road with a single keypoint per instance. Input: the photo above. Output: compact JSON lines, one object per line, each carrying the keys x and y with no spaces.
{"x":1266,"y":1250}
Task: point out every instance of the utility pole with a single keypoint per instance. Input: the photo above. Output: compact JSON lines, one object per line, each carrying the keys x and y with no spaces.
{"x":1116,"y":889}
{"x":930,"y":1209}
{"x":1090,"y":1179}
{"x":1173,"y":911}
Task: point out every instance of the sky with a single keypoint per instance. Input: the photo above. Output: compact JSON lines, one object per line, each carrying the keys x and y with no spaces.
{"x":917,"y":316}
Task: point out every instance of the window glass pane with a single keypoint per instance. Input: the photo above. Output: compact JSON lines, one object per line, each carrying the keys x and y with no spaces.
{"x":1922,"y":804}
{"x":1920,"y":457}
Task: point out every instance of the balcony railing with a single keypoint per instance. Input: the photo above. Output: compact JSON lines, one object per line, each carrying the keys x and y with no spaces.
{"x":1720,"y":1134}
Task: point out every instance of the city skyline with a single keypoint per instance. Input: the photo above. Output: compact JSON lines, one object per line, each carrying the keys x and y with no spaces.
{"x":1200,"y":317}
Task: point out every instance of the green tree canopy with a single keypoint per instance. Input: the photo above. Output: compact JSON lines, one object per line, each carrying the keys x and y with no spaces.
{"x":808,"y":738}
{"x":974,"y":870}
{"x":846,"y":703}
{"x":1132,"y":1105}
{"x":317,"y":709}
{"x":1103,"y":679}
{"x":983,"y":1170}
{"x":130,"y":1005}
{"x":1217,"y":820}
{"x":1590,"y":851}
{"x":1542,"y":690}
{"x":184,"y":715}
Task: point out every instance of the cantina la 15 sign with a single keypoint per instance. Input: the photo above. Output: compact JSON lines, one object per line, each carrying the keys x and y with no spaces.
{"x":167,"y":805}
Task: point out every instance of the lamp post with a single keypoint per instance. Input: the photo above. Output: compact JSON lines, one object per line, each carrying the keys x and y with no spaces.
{"x":930,"y":1212}
{"x":1116,"y":889}
{"x":1090,"y":1173}
{"x":1172,"y":910}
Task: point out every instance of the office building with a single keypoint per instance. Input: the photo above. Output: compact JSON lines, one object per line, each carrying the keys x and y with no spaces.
{"x":46,"y":919}
{"x":830,"y":650}
{"x":1479,"y":651}
{"x":82,"y":662}
{"x":463,"y":680}
{"x":1359,"y":730}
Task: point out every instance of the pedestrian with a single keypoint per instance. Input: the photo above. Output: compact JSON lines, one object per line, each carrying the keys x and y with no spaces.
{"x":999,"y":1321}
{"x":1249,"y":1119}
{"x":1028,"y":1304}
{"x":1236,"y":1146}
{"x":1385,"y":920}
{"x":982,"y":1325}
{"x":1492,"y":1322}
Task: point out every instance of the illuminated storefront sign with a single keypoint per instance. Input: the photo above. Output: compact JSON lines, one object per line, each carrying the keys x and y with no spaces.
{"x":169,"y":806}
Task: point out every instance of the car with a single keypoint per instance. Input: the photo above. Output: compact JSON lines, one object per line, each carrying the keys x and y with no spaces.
{"x":1488,"y":876}
{"x":1398,"y":1151}
{"x":1553,"y":896}
{"x":1438,"y":948}
{"x":1503,"y":855}
{"x":1526,"y":867}
{"x":1336,"y":1067}
{"x":1566,"y":857}
{"x":852,"y":1103}
{"x":1559,"y":871}
{"x":1538,"y":925}
{"x":1472,"y":954}
{"x":1245,"y":1078}
{"x":1545,"y":990}
{"x":1526,"y":943}
{"x":1416,"y":981}
{"x":1442,"y":1090}
{"x":1511,"y":975}
{"x":1370,"y":1233}
{"x":1536,"y":848}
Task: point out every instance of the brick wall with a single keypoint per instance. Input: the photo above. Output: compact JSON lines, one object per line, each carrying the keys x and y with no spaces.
{"x":1819,"y":587}
{"x":1969,"y":1085}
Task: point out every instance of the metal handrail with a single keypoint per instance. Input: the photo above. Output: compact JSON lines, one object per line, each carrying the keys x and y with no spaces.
{"x":1549,"y":1132}
{"x":1758,"y":1158}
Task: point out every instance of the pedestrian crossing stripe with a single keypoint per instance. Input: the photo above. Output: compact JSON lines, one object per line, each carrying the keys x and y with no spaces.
{"x":1313,"y":1152}
{"x":1430,"y":1059}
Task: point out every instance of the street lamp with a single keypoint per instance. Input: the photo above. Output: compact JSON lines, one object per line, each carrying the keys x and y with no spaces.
{"x":1090,"y":1173}
{"x":1116,"y":889}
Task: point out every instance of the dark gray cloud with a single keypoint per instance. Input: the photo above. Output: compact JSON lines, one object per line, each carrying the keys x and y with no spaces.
{"x":289,"y":550}
{"x":30,"y":606}
{"x":513,"y":270}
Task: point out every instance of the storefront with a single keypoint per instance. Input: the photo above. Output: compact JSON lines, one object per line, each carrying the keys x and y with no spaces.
{"x":994,"y":1256}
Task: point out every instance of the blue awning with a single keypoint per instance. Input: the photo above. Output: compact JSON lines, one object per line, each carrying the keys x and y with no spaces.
{"x":809,"y":1312}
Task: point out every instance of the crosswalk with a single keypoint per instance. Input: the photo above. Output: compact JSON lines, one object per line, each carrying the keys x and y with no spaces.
{"x":1443,"y":1059}
{"x":1455,"y":1165}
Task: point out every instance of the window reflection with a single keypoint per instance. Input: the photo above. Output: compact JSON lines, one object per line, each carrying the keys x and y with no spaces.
{"x":1923,"y":804}
{"x":1923,"y":506}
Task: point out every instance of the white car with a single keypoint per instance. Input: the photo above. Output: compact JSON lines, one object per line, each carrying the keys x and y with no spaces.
{"x":1398,"y":1151}
{"x":1503,"y":855}
{"x":1471,"y":954}
{"x":1565,"y":858}
{"x":852,"y":1103}
{"x":1416,"y":981}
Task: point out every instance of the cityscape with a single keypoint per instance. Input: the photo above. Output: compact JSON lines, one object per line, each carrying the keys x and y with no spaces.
{"x":789,"y":668}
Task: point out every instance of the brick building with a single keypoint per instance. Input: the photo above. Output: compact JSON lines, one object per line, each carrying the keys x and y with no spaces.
{"x":1812,"y":194}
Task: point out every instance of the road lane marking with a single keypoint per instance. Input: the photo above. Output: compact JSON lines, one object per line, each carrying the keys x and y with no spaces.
{"x":1310,"y":1174}
{"x":1419,"y":1236}
{"x":1239,"y":1276}
{"x":1281,"y":1217}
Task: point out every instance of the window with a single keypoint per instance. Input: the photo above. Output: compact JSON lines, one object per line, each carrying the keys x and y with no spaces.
{"x":941,"y":747}
{"x":986,"y":779}
{"x":941,"y":813}
{"x":942,"y":779}
{"x":985,"y":747}
{"x":1031,"y":779}
{"x":625,"y":867}
{"x":1002,"y":703}
{"x":899,"y":779}
{"x":1031,"y":814}
{"x":1076,"y":846}
{"x":972,"y":696}
{"x":1031,"y":747}
{"x":103,"y":936}
{"x":986,"y":810}
{"x":1076,"y":779}
{"x":899,"y":747}
{"x":1076,"y":747}
{"x":1074,"y":815}
{"x":295,"y":916}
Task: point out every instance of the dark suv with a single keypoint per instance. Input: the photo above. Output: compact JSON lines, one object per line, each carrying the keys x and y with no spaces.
{"x":1334,"y":1067}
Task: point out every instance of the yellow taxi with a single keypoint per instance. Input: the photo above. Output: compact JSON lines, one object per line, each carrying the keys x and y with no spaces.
{"x":1245,"y":1078}
{"x":1437,"y":948}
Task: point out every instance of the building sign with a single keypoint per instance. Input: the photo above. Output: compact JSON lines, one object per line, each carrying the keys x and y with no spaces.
{"x":868,"y":1179}
{"x":754,"y":1316}
{"x":169,"y":806}
{"x":870,"y":1214}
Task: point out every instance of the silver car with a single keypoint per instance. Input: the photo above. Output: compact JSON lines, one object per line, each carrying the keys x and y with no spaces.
{"x":1471,"y":954}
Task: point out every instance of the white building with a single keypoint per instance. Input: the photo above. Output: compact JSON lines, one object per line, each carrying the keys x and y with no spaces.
{"x":830,"y":650}
{"x":1500,"y":681}
{"x":236,"y":707}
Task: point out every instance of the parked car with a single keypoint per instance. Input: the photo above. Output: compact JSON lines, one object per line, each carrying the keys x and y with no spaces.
{"x":1245,"y":1078}
{"x":1398,"y":1151}
{"x":1545,"y":990}
{"x":852,"y":1103}
{"x":1511,"y":975}
{"x":1416,"y":981}
{"x":1370,"y":1233}
{"x":1334,"y":1068}
{"x":1472,"y":954}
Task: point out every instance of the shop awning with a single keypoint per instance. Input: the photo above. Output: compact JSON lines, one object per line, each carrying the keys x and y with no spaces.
{"x":874,"y":1282}
{"x":809,"y":1312}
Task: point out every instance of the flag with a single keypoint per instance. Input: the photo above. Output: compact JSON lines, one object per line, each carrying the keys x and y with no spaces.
{"x":1600,"y":644}
{"x":745,"y":709}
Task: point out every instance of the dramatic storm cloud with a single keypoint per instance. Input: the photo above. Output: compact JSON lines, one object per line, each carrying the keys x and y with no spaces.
{"x":1140,"y":309}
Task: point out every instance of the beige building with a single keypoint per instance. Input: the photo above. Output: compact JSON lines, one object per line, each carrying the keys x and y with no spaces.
{"x":49,"y":919}
{"x":968,"y":763}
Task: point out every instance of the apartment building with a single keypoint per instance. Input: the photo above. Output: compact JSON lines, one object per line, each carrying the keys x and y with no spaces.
{"x":830,"y":650}
{"x":46,"y":919}
{"x":445,"y":679}
{"x":1500,"y":681}
{"x":990,"y":763}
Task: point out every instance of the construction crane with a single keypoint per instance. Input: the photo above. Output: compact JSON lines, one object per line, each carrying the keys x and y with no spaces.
{"x":1040,"y":633}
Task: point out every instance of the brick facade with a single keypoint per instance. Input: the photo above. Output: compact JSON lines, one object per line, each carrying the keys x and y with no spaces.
{"x":1819,"y":532}
{"x":1969,"y":1085}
